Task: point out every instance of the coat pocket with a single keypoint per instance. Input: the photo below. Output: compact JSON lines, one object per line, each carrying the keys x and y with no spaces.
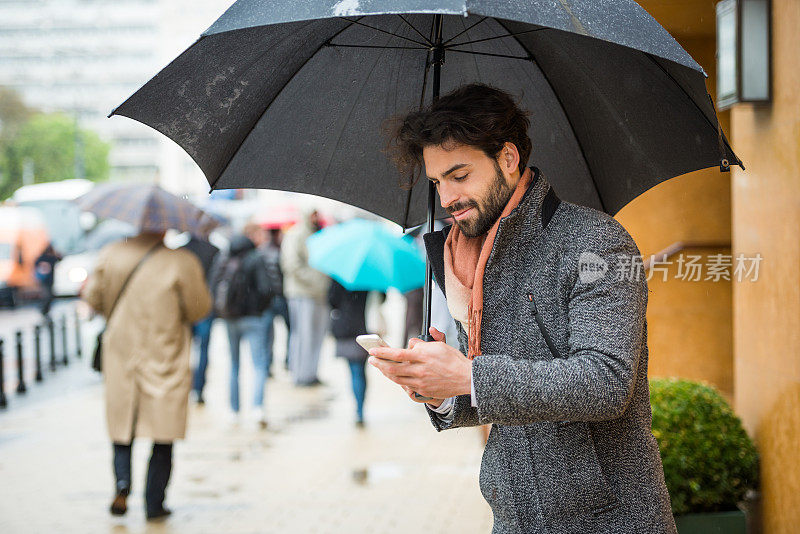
{"x":569,"y":471}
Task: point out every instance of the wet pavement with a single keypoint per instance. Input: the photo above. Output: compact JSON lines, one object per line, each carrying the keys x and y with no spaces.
{"x":310,"y":471}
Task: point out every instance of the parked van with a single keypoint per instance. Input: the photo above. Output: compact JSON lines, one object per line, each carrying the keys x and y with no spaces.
{"x":23,"y":237}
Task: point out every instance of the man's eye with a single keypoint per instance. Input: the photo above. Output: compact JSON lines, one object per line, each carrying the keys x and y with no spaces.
{"x":459,"y":178}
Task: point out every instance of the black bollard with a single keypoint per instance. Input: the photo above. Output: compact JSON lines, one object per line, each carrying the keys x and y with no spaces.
{"x":37,"y":347}
{"x":3,"y":402}
{"x":51,"y":331}
{"x":64,"y":344}
{"x":78,"y":337}
{"x":21,"y":389}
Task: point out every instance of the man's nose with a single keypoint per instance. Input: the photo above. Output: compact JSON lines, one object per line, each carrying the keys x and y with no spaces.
{"x":447,"y":195}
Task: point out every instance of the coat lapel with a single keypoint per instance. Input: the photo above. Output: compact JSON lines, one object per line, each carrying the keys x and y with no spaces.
{"x":434,"y":248}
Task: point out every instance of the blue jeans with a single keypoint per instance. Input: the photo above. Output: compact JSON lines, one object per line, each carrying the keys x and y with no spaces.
{"x":359,"y":375}
{"x":251,"y":329}
{"x":278,"y":307}
{"x":202,"y":332}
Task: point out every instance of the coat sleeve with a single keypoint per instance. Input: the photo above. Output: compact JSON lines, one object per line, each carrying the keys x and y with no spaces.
{"x":92,"y":292}
{"x":294,"y":262}
{"x":193,"y":291}
{"x":463,"y":414}
{"x":595,"y":381}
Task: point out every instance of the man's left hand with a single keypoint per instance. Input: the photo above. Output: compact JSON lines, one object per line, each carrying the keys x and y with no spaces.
{"x":431,"y":368}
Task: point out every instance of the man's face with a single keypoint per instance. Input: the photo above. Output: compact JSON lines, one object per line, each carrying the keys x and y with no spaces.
{"x":473,"y":187}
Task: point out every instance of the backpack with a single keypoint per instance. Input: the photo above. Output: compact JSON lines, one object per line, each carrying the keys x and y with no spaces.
{"x":231,"y":289}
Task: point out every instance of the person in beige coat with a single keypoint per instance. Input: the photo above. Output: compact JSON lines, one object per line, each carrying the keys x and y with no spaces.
{"x":306,"y":291}
{"x":146,"y":353}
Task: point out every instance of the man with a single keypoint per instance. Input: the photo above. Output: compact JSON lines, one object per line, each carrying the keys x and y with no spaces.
{"x":155,"y":295}
{"x":555,"y":337}
{"x":306,"y":291}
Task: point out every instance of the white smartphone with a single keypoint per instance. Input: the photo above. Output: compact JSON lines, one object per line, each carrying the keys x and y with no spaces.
{"x":371,"y":341}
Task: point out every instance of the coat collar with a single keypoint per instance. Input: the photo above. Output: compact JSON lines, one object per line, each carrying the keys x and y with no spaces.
{"x":539,"y":201}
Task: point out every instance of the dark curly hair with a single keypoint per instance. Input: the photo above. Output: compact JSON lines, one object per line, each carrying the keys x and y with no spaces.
{"x":475,"y":115}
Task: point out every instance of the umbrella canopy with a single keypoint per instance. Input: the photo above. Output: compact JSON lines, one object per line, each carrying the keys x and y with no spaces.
{"x":364,"y":256}
{"x":288,"y":95}
{"x":148,"y":208}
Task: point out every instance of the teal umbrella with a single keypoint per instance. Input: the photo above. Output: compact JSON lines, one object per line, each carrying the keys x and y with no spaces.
{"x":365,"y":256}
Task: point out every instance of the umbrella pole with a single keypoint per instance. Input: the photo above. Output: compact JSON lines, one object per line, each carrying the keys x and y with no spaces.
{"x":438,"y":59}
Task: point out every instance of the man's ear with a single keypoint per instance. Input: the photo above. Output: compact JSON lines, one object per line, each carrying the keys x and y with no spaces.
{"x":509,"y":158}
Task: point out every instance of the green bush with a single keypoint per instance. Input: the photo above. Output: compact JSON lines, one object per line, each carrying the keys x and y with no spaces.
{"x":709,"y":460}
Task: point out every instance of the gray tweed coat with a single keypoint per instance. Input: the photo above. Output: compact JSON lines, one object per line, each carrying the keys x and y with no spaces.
{"x":571,"y":448}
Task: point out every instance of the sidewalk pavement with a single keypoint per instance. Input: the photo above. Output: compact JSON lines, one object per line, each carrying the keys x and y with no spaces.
{"x":311,"y":471}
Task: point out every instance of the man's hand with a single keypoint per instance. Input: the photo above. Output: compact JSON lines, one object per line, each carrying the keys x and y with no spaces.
{"x":430,"y":368}
{"x":435,"y":403}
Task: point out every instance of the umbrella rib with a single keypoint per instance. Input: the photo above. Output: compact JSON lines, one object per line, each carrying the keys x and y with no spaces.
{"x":497,"y":37}
{"x":421,"y":104}
{"x":384,"y":31}
{"x":456,"y":36}
{"x":527,"y":58}
{"x":716,"y":128}
{"x":214,"y":183}
{"x":415,"y":29}
{"x":566,"y":115}
{"x":352,"y":108}
{"x":336,"y":45}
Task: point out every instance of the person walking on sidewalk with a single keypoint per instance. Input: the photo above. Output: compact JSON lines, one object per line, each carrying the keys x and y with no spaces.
{"x":155,"y":294}
{"x":348,"y":321}
{"x":268,"y":243}
{"x":551,"y":324}
{"x":44,"y":267}
{"x":201,"y":330}
{"x":242,"y":291}
{"x":306,"y":291}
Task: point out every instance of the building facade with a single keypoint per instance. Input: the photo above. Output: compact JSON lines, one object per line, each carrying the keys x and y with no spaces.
{"x":85,"y":57}
{"x":742,"y":336}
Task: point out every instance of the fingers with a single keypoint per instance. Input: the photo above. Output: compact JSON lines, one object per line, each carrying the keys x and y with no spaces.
{"x":413,"y":341}
{"x":412,"y":395}
{"x":437,"y":336}
{"x":394,"y":371}
{"x":389,"y":353}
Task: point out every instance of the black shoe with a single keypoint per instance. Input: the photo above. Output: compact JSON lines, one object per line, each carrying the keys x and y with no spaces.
{"x":158,"y":515}
{"x":359,"y":423}
{"x":119,"y":505}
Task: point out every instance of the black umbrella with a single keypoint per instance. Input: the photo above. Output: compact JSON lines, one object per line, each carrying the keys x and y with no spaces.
{"x":288,"y":95}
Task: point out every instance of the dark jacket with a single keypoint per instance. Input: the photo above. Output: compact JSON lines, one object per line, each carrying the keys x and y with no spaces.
{"x":347,"y":311}
{"x":571,"y":449}
{"x":272,"y":260}
{"x":205,"y":252}
{"x":259,"y":294}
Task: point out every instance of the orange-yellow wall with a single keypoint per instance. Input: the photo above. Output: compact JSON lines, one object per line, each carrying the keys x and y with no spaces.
{"x":689,"y":323}
{"x":766,"y":219}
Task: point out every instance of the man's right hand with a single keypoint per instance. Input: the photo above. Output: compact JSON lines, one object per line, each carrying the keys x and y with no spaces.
{"x":437,"y":336}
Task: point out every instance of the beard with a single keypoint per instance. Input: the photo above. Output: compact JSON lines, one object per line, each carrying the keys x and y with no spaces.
{"x":488,"y":210}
